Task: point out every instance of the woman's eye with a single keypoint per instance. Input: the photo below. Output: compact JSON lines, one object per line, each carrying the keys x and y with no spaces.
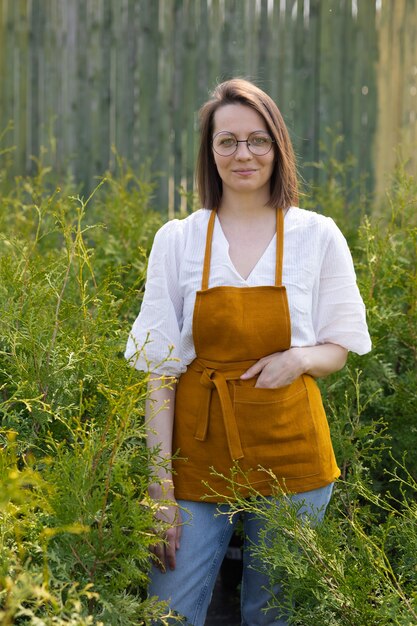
{"x":227,"y":142}
{"x":259,"y":141}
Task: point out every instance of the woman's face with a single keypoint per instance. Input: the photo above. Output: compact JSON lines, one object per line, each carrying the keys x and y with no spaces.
{"x":243,"y":171}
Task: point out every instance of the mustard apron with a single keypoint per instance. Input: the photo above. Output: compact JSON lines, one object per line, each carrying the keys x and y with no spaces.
{"x":222,"y":422}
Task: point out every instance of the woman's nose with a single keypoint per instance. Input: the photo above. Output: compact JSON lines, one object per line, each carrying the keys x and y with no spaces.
{"x":242,"y":151}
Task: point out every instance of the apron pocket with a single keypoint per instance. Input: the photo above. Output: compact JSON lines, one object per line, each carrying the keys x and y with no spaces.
{"x":277,"y":429}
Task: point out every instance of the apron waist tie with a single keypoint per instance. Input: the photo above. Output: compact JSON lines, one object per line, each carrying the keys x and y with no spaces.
{"x":215,"y":379}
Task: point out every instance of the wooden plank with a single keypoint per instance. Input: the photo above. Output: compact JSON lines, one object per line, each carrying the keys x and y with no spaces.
{"x":35,"y":62}
{"x":215,"y":51}
{"x":9,"y":63}
{"x":95,"y":26}
{"x":59,"y":82}
{"x":314,"y":135}
{"x":70,"y":84}
{"x":189,"y":103}
{"x":20,"y":113}
{"x":263,"y":61}
{"x":132,"y":128}
{"x":148,"y":81}
{"x":358,"y":46}
{"x":163,"y":130}
{"x":104,"y":86}
{"x":287,"y":28}
{"x":307,"y":97}
{"x":366,"y":91}
{"x":240,"y":28}
{"x":397,"y":31}
{"x":251,"y":39}
{"x":51,"y":84}
{"x":276,"y":56}
{"x":233,"y":40}
{"x":388,"y":95}
{"x":177,"y":102}
{"x":120,"y":46}
{"x":45,"y":113}
{"x":203,"y":47}
{"x":3,"y":27}
{"x":81,"y":110}
{"x":408,"y":137}
{"x":129,"y":64}
{"x":117,"y":76}
{"x":348,"y":61}
{"x":336,"y":74}
{"x":324,"y":104}
{"x":301,"y":98}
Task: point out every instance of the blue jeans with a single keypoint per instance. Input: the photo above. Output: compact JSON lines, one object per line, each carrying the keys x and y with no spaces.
{"x":205,"y":539}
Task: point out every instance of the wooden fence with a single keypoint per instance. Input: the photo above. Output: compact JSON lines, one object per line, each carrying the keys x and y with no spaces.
{"x":81,"y":77}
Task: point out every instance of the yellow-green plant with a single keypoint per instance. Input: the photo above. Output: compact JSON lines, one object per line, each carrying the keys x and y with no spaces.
{"x":75,"y":519}
{"x":359,"y":567}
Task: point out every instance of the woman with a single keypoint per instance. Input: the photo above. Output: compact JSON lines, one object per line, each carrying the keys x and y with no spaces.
{"x":247,"y":302}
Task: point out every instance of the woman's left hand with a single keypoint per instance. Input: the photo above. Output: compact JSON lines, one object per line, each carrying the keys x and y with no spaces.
{"x":277,"y":369}
{"x":282,"y":368}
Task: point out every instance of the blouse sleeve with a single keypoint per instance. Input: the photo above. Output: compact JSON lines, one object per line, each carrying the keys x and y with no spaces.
{"x":154,"y":341}
{"x":338,"y":311}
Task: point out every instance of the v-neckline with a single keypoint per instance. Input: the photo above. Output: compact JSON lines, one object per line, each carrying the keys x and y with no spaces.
{"x":232,"y":265}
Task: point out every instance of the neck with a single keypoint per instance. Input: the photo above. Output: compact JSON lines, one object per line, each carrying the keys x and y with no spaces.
{"x":245,"y":206}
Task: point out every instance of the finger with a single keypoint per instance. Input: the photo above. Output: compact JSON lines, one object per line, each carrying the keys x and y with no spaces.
{"x":264,"y":383}
{"x":269,"y":377}
{"x":178,"y":537}
{"x":170,"y":549}
{"x":158,"y":557}
{"x":270,"y":380}
{"x":254,"y":370}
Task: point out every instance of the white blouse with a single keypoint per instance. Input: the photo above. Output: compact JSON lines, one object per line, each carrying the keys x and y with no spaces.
{"x":324,"y":300}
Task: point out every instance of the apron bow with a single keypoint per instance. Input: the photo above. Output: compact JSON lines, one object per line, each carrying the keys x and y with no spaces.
{"x":214,"y":379}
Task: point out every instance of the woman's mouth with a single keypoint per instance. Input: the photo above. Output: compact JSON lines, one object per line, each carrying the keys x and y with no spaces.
{"x":244,"y":172}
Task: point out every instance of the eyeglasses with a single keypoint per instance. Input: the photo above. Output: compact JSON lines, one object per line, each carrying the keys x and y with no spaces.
{"x":226,"y":144}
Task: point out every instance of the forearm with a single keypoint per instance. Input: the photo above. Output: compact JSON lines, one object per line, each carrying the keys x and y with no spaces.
{"x":322,"y":360}
{"x":160,"y":422}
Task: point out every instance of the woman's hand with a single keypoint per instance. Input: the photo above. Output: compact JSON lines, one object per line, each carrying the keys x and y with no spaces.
{"x":282,"y":368}
{"x":160,"y":420}
{"x":164,"y":552}
{"x":277,"y":369}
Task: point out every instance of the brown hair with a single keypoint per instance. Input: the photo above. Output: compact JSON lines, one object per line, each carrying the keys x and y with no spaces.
{"x":284,"y":186}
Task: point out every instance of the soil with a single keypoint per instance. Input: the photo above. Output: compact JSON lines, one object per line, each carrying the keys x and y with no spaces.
{"x":224,"y":609}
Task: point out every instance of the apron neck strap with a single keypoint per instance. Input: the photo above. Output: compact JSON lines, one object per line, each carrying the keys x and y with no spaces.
{"x":280,"y":247}
{"x":279,"y":253}
{"x":207,"y":254}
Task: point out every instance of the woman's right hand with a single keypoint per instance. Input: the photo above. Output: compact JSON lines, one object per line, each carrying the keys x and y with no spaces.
{"x":168,"y":512}
{"x":160,"y":422}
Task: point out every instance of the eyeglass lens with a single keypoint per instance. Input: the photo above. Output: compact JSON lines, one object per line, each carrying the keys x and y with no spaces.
{"x":225,"y":144}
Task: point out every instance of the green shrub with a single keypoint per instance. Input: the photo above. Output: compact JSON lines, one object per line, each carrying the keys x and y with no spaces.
{"x":359,"y":567}
{"x":75,"y":518}
{"x":385,"y":255}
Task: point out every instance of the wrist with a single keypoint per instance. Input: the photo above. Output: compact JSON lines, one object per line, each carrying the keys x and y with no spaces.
{"x":304,"y":359}
{"x":161,"y":490}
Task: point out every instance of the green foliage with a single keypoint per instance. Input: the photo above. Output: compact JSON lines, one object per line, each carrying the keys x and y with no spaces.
{"x":385,"y":255}
{"x":359,"y":566}
{"x":338,"y":191}
{"x":75,"y":518}
{"x":356,"y":568}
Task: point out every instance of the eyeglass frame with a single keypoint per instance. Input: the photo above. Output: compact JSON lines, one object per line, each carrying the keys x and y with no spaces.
{"x":246,"y":141}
